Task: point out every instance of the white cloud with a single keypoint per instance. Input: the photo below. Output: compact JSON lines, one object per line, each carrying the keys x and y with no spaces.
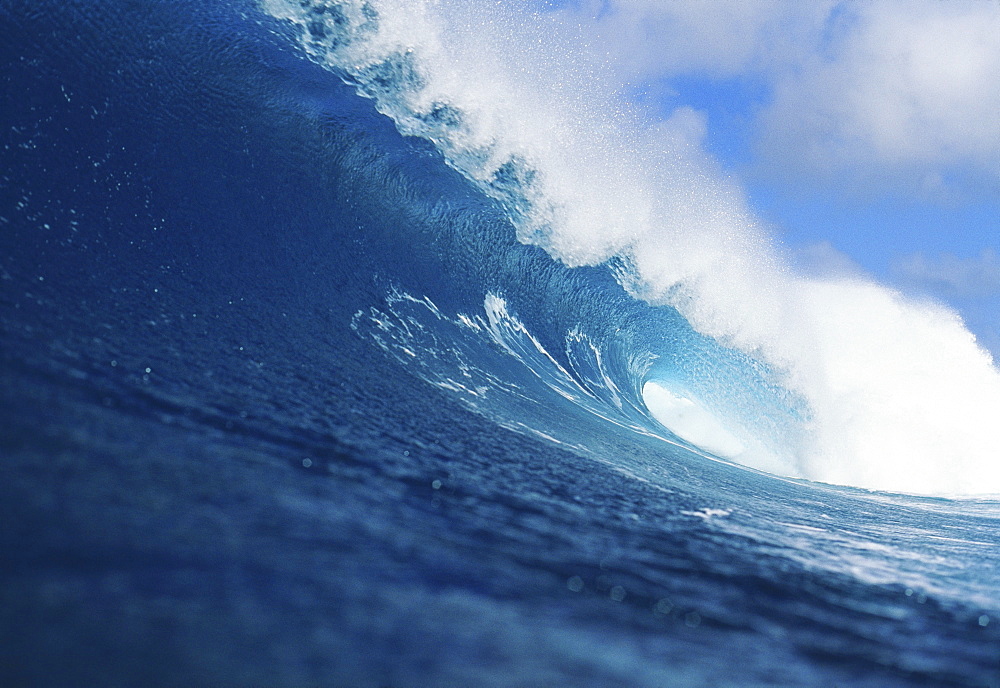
{"x":685,"y":124}
{"x":720,"y":38}
{"x":950,"y":276}
{"x":823,"y":260}
{"x":876,"y":95}
{"x":909,"y":95}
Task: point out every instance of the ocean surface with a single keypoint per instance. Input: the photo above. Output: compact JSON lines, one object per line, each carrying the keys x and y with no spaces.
{"x":311,"y":375}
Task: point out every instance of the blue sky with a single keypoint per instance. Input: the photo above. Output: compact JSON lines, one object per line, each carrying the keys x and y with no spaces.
{"x":867,"y":134}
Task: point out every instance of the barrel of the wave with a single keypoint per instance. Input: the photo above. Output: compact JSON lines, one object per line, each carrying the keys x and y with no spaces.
{"x":689,"y":420}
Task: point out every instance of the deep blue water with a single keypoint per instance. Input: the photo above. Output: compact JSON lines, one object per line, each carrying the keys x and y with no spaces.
{"x":284,"y":402}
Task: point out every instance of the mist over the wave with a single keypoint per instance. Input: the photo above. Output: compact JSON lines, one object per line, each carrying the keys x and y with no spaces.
{"x":899,"y":395}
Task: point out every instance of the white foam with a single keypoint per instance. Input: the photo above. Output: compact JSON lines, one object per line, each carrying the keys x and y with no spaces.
{"x":900,"y":395}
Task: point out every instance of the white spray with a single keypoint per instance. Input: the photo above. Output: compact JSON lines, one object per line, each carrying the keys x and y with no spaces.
{"x":900,"y":395}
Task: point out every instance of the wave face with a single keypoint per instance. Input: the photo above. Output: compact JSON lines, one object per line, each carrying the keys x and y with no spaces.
{"x":842,"y":380}
{"x":376,"y":344}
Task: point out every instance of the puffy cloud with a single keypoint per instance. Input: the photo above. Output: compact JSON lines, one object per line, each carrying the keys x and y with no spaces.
{"x":906,"y":95}
{"x":685,"y":124}
{"x":876,"y":95}
{"x":823,"y":260}
{"x":720,"y":38}
{"x":950,"y":276}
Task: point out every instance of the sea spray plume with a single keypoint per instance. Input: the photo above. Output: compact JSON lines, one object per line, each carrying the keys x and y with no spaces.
{"x":899,"y":394}
{"x":528,"y":118}
{"x":511,"y":107}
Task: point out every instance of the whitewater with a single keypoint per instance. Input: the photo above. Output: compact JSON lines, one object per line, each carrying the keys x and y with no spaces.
{"x":392,"y":343}
{"x":895,"y":392}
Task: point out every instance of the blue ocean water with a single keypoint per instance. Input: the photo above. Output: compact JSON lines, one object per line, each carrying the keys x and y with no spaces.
{"x":294,"y":394}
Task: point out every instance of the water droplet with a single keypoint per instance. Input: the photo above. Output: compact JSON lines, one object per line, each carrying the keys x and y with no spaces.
{"x":575,"y":584}
{"x":307,"y":463}
{"x":436,"y":484}
{"x":984,"y":621}
{"x":663,"y":606}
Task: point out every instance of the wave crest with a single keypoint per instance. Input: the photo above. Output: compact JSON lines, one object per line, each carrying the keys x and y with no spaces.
{"x":894,"y":394}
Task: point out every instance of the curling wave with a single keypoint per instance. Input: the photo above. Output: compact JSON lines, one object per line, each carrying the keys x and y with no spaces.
{"x":833,"y":379}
